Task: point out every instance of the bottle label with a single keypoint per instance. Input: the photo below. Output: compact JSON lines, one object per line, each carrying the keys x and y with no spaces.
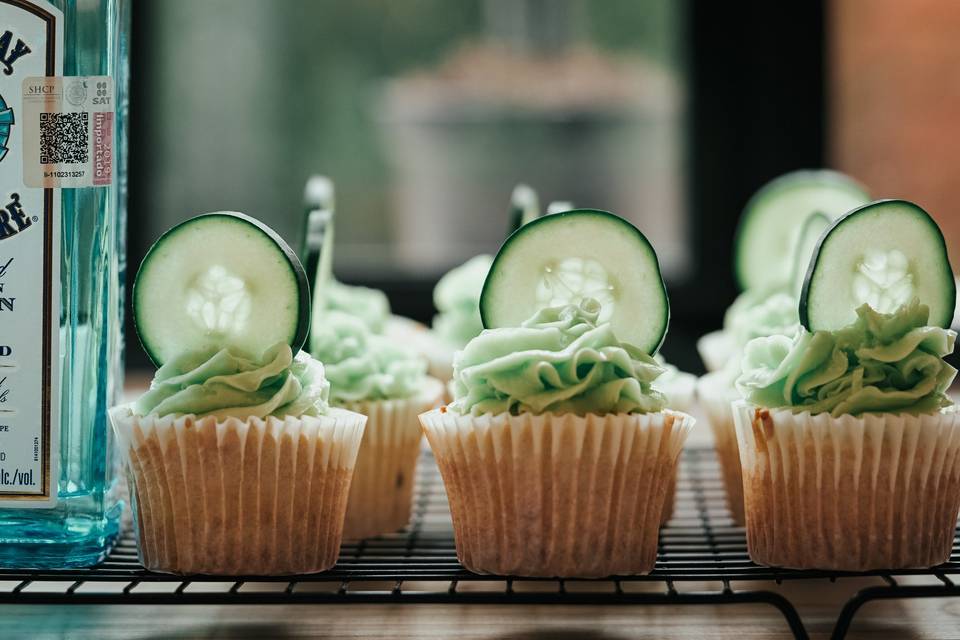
{"x":31,"y":48}
{"x":68,"y":131}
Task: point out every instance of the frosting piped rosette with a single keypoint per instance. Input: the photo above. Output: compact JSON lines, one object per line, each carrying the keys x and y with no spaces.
{"x":560,"y":360}
{"x":362,"y":365}
{"x":880,"y":363}
{"x":223,"y":384}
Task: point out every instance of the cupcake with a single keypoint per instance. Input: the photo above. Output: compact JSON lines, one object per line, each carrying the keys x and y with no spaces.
{"x":557,"y":452}
{"x":849,"y":444}
{"x":457,"y":299}
{"x":236,"y":462}
{"x":679,"y":388}
{"x":372,"y":375}
{"x":752,"y":315}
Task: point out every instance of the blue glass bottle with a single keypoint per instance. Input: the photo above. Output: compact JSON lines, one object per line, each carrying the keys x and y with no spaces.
{"x":61,"y":327}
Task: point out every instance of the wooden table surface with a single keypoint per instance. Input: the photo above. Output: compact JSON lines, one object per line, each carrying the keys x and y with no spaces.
{"x":818,"y":602}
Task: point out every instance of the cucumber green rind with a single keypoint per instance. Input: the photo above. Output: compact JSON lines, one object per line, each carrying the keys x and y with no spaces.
{"x":941,"y":295}
{"x":770,"y":193}
{"x":155,"y":351}
{"x":646,"y":329}
{"x":814,"y":227}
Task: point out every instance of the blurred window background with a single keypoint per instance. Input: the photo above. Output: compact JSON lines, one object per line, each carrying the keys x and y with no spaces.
{"x":426,"y":113}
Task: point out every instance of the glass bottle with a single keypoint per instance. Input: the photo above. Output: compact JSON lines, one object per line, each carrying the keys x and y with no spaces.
{"x":63,"y":84}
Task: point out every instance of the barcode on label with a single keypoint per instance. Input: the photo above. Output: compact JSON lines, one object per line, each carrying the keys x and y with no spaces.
{"x":64,"y":138}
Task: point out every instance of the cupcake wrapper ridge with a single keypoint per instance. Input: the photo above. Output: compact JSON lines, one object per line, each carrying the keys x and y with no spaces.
{"x":239,"y":497}
{"x":881,"y":491}
{"x":557,"y":495}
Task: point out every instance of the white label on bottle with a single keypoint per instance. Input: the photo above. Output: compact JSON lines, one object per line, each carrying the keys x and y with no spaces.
{"x":68,"y":131}
{"x":31,"y":46}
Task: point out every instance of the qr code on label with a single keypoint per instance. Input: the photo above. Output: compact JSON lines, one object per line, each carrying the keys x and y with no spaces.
{"x":64,"y":138}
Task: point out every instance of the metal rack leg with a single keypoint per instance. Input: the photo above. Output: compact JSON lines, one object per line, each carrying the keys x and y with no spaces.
{"x":868,"y":594}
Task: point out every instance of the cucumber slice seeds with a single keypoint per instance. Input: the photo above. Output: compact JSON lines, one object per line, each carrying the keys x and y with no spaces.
{"x":567,"y":257}
{"x":220,"y":280}
{"x":883,"y":254}
{"x":772,"y":220}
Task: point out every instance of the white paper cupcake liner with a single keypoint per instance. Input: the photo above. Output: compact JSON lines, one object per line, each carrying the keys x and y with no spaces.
{"x":250,"y":497}
{"x":681,"y":395}
{"x":716,"y":396}
{"x":670,"y":500}
{"x":716,"y":348}
{"x":557,"y":495}
{"x":381,"y":494}
{"x":881,"y":491}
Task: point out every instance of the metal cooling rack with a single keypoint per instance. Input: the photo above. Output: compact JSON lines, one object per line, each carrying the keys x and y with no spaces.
{"x":420,"y":565}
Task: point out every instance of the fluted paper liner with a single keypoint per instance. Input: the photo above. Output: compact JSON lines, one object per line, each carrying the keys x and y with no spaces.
{"x":239,"y":497}
{"x":381,"y":495}
{"x":557,"y":495}
{"x":715,"y":398}
{"x":880,"y":491}
{"x":681,"y":398}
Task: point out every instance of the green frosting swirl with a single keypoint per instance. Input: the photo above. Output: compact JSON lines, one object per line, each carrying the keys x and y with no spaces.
{"x":362,"y":365}
{"x":880,"y":363}
{"x":558,"y":361}
{"x":370,"y":305}
{"x":225,"y":385}
{"x":457,"y":298}
{"x":759,"y":313}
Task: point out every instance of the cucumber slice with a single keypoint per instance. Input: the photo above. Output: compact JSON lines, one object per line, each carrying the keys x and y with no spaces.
{"x":524,"y":206}
{"x":220,"y":280}
{"x":884,"y":254}
{"x":569,"y":256}
{"x":773,"y":217}
{"x":812,"y":230}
